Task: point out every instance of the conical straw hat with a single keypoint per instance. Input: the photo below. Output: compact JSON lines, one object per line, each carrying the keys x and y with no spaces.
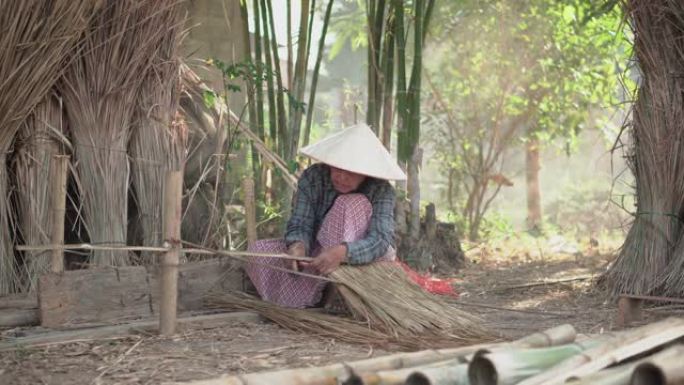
{"x":358,"y":150}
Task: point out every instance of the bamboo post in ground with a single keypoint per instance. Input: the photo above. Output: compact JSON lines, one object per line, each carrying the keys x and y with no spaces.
{"x":173,"y":194}
{"x":58,"y":179}
{"x":250,"y":209}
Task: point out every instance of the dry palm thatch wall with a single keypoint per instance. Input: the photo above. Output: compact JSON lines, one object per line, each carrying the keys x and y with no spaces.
{"x":100,"y":94}
{"x":158,"y":143}
{"x":40,"y":138}
{"x":37,"y":37}
{"x":648,"y":259}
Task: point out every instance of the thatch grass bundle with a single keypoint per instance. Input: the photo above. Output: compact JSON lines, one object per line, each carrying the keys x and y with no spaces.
{"x":305,"y":321}
{"x":40,"y":138}
{"x":388,"y":308}
{"x":648,"y":259}
{"x":158,"y":143}
{"x":37,"y":37}
{"x":382,"y":295}
{"x":100,"y":92}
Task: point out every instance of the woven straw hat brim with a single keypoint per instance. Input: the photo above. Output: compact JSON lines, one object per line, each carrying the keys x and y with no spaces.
{"x":358,"y":150}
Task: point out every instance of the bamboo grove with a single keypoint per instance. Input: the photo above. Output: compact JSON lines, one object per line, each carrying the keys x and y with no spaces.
{"x":282,"y":115}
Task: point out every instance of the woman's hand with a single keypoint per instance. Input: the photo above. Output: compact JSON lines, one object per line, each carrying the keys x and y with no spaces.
{"x":296,"y":249}
{"x":329,"y":259}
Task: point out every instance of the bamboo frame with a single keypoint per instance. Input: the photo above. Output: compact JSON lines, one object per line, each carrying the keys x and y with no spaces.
{"x":191,"y":250}
{"x":173,"y":202}
{"x":58,"y":175}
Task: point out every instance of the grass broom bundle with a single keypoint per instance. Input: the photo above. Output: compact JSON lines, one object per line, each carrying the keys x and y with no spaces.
{"x":39,"y":139}
{"x":657,"y":158}
{"x":673,"y":11}
{"x":382,"y":295}
{"x":100,"y":92}
{"x":37,"y":37}
{"x":158,"y":144}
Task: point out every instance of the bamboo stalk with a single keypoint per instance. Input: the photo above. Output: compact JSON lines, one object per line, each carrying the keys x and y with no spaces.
{"x":512,"y":366}
{"x":270,"y":88}
{"x":299,"y":83}
{"x":168,"y":306}
{"x":634,"y":342}
{"x":282,"y":112}
{"x":314,"y":80}
{"x":289,"y":178}
{"x":663,"y":369}
{"x":58,"y":170}
{"x":250,"y":209}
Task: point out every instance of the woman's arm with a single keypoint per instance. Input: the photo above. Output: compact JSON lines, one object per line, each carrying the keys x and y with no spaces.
{"x":300,"y":226}
{"x":380,"y":229}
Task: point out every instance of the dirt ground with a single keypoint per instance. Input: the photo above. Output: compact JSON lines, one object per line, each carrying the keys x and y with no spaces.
{"x":524,"y":293}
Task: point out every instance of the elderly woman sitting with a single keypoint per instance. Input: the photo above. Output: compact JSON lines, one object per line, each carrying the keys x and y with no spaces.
{"x":343,"y":212}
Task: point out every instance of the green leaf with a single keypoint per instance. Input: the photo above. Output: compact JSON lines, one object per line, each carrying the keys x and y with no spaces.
{"x":209,"y":98}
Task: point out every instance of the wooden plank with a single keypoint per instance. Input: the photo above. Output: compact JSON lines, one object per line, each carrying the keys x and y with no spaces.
{"x":102,"y":332}
{"x":19,"y":317}
{"x":94,"y":295}
{"x":629,"y":310}
{"x":112,"y":295}
{"x":18,"y":301}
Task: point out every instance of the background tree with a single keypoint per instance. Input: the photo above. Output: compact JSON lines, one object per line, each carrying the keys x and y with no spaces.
{"x":516,"y":72}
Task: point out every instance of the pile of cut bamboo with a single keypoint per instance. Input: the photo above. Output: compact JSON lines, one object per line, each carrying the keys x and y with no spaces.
{"x":650,"y":354}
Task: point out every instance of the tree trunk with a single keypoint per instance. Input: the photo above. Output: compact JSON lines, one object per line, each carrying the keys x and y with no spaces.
{"x":414,"y":192}
{"x":532,"y":165}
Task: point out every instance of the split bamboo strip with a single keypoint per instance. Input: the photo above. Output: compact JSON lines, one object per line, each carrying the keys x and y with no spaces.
{"x":200,"y":250}
{"x":158,"y":144}
{"x":635,"y":342}
{"x":664,"y":369}
{"x":336,"y":373}
{"x":38,"y":141}
{"x":38,"y":37}
{"x":622,"y":374}
{"x":100,"y":91}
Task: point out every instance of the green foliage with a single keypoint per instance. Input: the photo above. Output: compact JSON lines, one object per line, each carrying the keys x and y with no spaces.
{"x":508,"y":70}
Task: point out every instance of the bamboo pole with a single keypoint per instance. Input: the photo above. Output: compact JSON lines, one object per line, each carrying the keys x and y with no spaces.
{"x":173,"y":195}
{"x":250,"y":210}
{"x":512,"y":366}
{"x":666,"y":369}
{"x":630,"y":344}
{"x":58,"y":176}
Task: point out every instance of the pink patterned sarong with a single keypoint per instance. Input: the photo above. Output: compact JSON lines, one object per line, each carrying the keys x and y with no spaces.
{"x":346,"y":221}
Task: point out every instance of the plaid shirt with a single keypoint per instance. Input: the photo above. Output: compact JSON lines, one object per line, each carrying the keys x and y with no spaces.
{"x":315,"y":196}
